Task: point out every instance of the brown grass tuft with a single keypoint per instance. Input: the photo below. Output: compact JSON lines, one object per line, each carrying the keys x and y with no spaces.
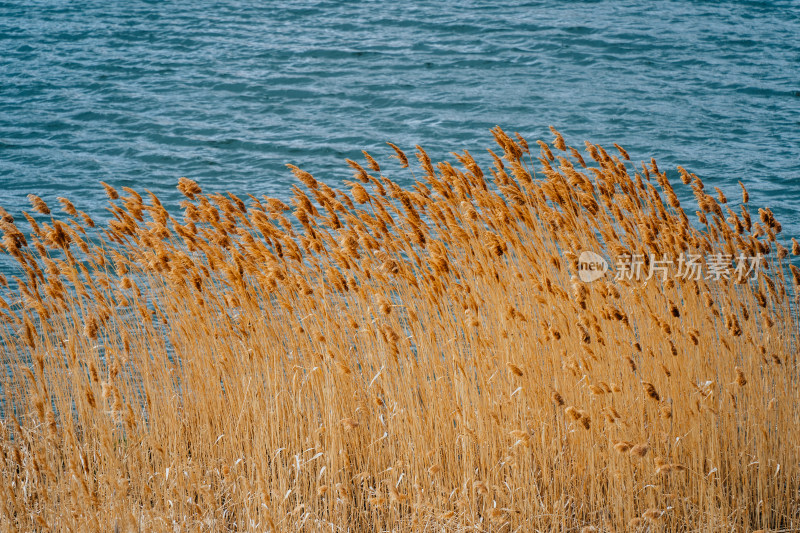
{"x":401,"y":358}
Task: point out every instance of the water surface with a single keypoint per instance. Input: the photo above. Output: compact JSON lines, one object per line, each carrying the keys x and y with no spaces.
{"x":141,"y":93}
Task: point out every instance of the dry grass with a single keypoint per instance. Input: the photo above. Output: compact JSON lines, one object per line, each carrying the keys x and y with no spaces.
{"x":400,"y":359}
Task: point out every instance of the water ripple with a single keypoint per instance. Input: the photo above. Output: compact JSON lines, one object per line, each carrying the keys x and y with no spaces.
{"x":141,"y":93}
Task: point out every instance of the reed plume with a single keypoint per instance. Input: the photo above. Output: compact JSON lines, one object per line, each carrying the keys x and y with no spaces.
{"x":403,"y":358}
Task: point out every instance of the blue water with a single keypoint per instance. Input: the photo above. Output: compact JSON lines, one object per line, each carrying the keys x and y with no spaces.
{"x":141,"y":93}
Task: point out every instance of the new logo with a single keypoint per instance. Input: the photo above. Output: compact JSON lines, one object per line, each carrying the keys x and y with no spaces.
{"x":591,"y":266}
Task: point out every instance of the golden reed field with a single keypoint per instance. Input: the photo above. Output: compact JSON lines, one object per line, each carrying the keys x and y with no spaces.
{"x":380,"y":358}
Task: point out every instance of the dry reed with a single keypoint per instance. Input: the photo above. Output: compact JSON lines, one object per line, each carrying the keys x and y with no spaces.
{"x":422,"y":358}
